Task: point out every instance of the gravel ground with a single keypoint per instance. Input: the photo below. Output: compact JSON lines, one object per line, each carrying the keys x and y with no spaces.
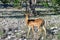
{"x":5,"y":23}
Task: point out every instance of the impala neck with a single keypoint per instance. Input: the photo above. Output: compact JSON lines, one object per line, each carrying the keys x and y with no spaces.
{"x":26,"y":18}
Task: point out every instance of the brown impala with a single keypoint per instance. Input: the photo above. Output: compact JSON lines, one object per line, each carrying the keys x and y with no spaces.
{"x":31,"y":23}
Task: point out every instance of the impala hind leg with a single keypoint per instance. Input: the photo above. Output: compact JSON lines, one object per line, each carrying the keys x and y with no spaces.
{"x":28,"y":31}
{"x":39,"y":30}
{"x":44,"y":30}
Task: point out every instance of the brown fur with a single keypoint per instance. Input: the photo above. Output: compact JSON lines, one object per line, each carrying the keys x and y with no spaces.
{"x":31,"y":23}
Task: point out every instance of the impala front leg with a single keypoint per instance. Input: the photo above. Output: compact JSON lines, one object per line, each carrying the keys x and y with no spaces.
{"x":28,"y":31}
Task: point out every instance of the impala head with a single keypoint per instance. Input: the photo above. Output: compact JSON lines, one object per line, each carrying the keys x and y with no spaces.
{"x":26,"y":14}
